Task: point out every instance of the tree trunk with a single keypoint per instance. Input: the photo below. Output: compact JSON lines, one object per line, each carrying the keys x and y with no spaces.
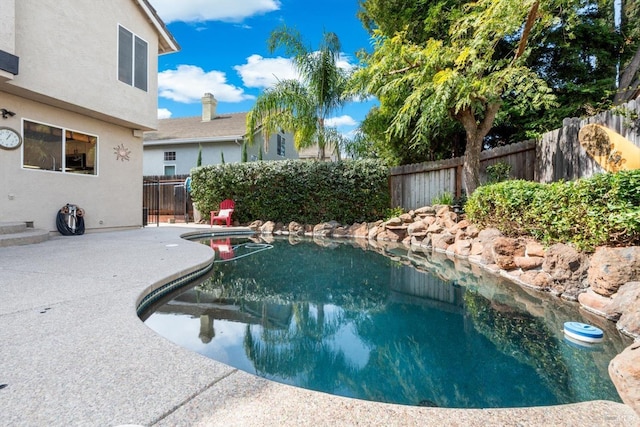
{"x":475,"y":131}
{"x":626,"y":90}
{"x":320,"y":152}
{"x":471,"y":165}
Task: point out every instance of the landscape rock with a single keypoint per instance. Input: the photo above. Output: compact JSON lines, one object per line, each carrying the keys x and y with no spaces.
{"x":339,"y":231}
{"x":325,"y":229}
{"x":417,"y":227}
{"x":611,"y":267}
{"x":596,"y":303}
{"x":406,"y":218}
{"x":528,"y":262}
{"x":267,"y":227}
{"x":462,"y":248}
{"x":359,"y":231}
{"x":472,"y":231}
{"x":435,"y":228}
{"x":425,"y":210}
{"x":373,"y":232}
{"x":624,"y":371}
{"x":476,"y":248}
{"x":394,"y":222}
{"x":536,"y":279}
{"x":626,"y":307}
{"x":391,"y":235}
{"x":534,"y":249}
{"x":442,"y":241}
{"x":568,"y":270}
{"x":296,"y":228}
{"x":505,"y":250}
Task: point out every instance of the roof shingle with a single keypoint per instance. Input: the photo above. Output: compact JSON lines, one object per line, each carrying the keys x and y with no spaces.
{"x":231,"y":125}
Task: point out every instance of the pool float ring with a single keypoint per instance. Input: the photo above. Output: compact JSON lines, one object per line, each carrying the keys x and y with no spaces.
{"x":583,"y":332}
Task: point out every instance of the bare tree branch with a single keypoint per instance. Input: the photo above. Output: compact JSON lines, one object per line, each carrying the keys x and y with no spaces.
{"x":531,"y":19}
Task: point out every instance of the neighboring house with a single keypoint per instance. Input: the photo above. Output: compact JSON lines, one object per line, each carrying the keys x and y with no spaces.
{"x":78,"y":84}
{"x":173,"y":148}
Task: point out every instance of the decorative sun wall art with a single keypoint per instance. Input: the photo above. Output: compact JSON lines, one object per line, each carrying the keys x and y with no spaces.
{"x":122,"y":153}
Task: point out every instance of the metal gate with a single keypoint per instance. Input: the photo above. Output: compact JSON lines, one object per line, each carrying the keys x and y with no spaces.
{"x":165,"y":199}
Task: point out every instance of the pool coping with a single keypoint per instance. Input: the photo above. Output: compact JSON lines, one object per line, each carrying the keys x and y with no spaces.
{"x":75,"y":352}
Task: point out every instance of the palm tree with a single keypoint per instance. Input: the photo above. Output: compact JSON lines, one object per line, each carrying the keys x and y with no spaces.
{"x":302,"y":106}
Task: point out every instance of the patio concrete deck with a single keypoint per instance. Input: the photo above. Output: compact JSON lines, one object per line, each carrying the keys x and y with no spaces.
{"x":74,"y":353}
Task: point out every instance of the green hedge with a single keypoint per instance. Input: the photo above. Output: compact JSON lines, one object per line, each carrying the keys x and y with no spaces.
{"x":602,"y":210}
{"x":308,"y":192}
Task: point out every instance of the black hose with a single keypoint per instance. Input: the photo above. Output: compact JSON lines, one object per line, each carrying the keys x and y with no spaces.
{"x":63,"y":227}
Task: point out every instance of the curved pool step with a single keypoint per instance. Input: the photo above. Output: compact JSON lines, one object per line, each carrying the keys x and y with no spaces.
{"x":21,"y":233}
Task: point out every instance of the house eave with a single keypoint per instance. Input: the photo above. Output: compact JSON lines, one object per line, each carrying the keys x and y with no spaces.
{"x":166,"y":42}
{"x":184,"y":141}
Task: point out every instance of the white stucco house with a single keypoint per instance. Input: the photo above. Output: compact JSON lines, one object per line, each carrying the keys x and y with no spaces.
{"x":78,"y":86}
{"x":173,"y":148}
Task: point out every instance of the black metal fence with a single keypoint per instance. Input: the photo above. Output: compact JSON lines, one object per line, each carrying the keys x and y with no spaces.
{"x":165,"y":198}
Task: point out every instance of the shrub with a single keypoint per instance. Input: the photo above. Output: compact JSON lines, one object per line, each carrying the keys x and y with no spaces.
{"x":602,"y":210}
{"x":498,"y":172}
{"x":295,"y":190}
{"x":445,"y":198}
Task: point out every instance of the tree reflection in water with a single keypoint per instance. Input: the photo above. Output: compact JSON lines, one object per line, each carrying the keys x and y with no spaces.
{"x":351,"y":322}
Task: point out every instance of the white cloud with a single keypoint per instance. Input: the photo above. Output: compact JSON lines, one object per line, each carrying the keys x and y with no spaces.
{"x":163,"y":113}
{"x":212,"y":10}
{"x":262,"y":72}
{"x":188,"y":83}
{"x":341,"y":121}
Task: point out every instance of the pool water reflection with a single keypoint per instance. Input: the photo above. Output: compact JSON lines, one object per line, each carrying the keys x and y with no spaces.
{"x":352,"y":322}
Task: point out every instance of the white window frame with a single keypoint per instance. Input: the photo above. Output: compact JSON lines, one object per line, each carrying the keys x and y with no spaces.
{"x":164,"y":156}
{"x":134,"y":39}
{"x":164,"y":170}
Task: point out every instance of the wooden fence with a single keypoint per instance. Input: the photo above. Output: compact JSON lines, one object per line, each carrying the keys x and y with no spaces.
{"x":557,"y":155}
{"x":414,"y":186}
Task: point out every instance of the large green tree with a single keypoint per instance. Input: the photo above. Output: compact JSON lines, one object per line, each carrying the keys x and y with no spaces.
{"x":303,"y":106}
{"x":463,"y":75}
{"x":577,"y":56}
{"x":420,"y":20}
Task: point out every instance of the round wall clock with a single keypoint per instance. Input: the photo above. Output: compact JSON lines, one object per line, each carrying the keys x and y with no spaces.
{"x":9,"y":138}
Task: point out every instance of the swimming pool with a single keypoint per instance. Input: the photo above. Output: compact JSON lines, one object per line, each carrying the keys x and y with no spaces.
{"x":409,"y":328}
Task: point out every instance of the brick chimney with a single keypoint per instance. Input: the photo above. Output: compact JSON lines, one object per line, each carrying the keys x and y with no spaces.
{"x":209,"y":104}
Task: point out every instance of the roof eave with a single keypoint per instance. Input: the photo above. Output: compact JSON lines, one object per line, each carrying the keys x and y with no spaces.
{"x":177,"y":141}
{"x":166,"y":42}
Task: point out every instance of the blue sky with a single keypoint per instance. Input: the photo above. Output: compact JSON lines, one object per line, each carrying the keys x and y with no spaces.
{"x":224,"y":51}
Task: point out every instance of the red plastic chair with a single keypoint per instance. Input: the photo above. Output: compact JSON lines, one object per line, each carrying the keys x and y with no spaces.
{"x":224,"y":213}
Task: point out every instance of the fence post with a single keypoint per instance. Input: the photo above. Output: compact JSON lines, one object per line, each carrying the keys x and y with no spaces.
{"x":458,"y":182}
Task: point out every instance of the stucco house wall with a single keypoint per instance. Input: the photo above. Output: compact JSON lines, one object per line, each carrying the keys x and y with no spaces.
{"x":187,"y":156}
{"x":68,"y":78}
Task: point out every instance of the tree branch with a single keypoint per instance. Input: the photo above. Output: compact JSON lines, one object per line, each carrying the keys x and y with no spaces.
{"x":531,"y":18}
{"x":405,"y":69}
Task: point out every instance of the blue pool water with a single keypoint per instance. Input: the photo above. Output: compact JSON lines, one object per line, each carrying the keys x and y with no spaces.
{"x":406,"y":328}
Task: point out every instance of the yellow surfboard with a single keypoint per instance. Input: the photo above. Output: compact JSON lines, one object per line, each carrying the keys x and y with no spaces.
{"x":611,"y":150}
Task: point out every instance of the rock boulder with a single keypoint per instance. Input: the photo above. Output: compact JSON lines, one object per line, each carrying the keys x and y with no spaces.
{"x":568,"y":270}
{"x":624,"y":371}
{"x":612,"y":267}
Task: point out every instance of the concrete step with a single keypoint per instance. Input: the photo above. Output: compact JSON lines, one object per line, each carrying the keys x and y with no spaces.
{"x":12,"y":227}
{"x":20,"y":233}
